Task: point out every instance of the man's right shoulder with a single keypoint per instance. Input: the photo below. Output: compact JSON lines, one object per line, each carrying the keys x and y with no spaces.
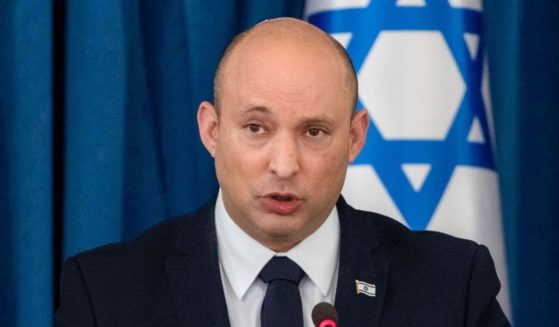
{"x":152,"y":245}
{"x":127,"y":283}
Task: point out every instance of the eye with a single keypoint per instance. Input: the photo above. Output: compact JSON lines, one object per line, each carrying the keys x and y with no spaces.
{"x":255,"y":128}
{"x":315,"y":132}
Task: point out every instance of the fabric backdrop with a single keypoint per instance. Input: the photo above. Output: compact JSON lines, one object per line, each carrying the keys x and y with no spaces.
{"x":98,"y":138}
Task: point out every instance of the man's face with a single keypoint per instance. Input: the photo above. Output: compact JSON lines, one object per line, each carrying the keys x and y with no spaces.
{"x":282,"y":141}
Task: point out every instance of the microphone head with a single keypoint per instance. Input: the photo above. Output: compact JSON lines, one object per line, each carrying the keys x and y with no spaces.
{"x":324,"y":315}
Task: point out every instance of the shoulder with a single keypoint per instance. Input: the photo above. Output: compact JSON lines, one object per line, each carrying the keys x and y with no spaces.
{"x":418,"y":250}
{"x":128,"y":281}
{"x":150,"y":248}
{"x":394,"y":234}
{"x":427,"y":270}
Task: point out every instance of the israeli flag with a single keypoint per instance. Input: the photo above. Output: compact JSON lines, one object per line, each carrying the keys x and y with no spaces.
{"x":428,"y":161}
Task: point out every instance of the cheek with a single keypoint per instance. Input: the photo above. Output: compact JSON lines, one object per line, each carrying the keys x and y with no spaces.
{"x":329,"y":167}
{"x":338,"y":155}
{"x":236,"y":165}
{"x":226,"y":163}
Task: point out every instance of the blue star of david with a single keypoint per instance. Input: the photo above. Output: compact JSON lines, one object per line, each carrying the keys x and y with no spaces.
{"x":387,"y":156}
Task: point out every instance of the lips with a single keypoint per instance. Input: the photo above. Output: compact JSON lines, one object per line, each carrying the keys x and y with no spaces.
{"x":281,"y":203}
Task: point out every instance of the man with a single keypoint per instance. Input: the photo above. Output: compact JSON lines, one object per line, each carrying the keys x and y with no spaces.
{"x":282,"y":131}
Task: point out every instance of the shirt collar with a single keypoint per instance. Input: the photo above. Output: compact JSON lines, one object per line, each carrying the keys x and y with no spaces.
{"x":242,"y":257}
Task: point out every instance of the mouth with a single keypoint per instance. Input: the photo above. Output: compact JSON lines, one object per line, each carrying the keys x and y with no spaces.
{"x":283,"y":198}
{"x":282,"y":203}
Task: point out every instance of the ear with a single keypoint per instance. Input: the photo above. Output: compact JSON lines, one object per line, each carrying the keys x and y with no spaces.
{"x":208,"y":126}
{"x":358,"y":133}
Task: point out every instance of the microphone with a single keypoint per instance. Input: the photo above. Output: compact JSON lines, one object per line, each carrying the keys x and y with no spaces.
{"x":324,"y":315}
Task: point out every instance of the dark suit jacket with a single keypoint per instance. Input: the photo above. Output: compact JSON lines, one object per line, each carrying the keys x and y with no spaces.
{"x":169,"y":276}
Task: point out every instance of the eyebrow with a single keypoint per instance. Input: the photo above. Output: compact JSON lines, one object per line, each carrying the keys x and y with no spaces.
{"x":261,"y":109}
{"x":317,"y":120}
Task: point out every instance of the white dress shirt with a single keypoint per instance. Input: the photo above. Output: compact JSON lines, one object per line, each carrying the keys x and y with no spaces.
{"x":241,"y":258}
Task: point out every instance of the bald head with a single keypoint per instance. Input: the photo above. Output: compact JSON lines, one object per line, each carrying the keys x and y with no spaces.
{"x":288,"y":33}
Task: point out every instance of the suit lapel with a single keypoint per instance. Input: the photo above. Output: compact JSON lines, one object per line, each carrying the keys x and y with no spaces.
{"x":361,"y":258}
{"x":194,"y":275}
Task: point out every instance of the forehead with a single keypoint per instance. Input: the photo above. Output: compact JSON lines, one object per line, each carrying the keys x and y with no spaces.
{"x":287,"y":72}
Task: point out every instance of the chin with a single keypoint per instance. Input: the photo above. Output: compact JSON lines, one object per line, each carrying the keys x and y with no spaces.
{"x":282,"y":233}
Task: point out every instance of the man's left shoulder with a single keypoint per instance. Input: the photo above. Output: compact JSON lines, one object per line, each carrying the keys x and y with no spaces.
{"x":425,"y":270}
{"x":426,"y":249}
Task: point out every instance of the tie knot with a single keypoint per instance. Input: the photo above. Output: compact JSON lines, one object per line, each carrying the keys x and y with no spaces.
{"x":281,"y":268}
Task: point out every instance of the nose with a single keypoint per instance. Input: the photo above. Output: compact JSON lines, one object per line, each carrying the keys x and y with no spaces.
{"x":284,"y":157}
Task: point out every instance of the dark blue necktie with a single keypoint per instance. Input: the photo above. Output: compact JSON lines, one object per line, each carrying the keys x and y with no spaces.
{"x":282,"y":306}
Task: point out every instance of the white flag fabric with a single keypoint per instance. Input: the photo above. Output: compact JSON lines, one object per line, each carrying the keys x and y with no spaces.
{"x":428,"y":161}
